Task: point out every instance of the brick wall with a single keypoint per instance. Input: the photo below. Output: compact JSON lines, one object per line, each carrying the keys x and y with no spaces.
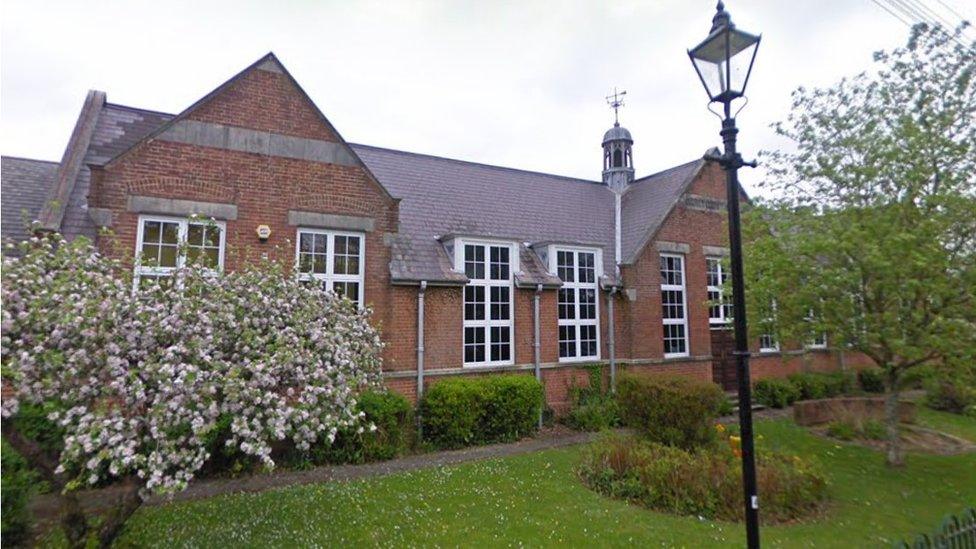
{"x":264,"y":188}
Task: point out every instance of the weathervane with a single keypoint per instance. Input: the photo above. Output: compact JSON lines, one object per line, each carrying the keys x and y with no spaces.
{"x":616,"y":101}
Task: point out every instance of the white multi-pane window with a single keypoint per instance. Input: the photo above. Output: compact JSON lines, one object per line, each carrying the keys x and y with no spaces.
{"x":164,"y":244}
{"x":719,"y":306}
{"x":674,"y":313}
{"x":334,"y":259}
{"x":767,"y":339}
{"x":487,"y":304}
{"x":768,"y":343}
{"x":819,"y":341}
{"x":577,"y":305}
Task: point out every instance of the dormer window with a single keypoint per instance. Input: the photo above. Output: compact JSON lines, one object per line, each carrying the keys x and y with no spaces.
{"x":577,"y":303}
{"x":488,"y":307}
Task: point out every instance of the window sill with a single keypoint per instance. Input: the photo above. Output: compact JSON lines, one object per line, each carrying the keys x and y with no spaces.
{"x":476,"y":365}
{"x":676,"y":357}
{"x":578,"y":360}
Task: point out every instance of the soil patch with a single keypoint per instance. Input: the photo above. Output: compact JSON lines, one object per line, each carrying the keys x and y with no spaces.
{"x":915,"y":439}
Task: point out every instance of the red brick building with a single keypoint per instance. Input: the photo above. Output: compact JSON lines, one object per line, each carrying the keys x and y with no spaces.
{"x":469,"y":268}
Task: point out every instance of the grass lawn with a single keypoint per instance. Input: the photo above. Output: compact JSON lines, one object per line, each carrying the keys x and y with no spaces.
{"x":536,"y":500}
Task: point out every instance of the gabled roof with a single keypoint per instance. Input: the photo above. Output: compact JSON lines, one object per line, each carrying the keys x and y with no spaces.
{"x":647,"y":203}
{"x":439,"y":196}
{"x":268,"y":62}
{"x":24,"y":185}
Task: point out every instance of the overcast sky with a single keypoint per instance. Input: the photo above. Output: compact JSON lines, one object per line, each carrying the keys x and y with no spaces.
{"x":518,"y":84}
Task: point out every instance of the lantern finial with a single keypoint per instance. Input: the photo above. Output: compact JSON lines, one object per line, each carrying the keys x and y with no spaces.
{"x":722,"y":17}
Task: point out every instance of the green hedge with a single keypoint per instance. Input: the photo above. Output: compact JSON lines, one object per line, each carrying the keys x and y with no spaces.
{"x":675,"y":411}
{"x":391,"y":413}
{"x":775,"y":393}
{"x":871,"y":380}
{"x":814,"y":386}
{"x":460,"y":412}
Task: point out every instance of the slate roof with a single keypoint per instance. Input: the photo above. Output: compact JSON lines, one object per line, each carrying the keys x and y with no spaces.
{"x":24,"y":184}
{"x":439,"y":196}
{"x":647,"y":203}
{"x":118,"y":127}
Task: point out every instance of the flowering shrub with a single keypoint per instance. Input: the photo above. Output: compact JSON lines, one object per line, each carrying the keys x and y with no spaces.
{"x":137,"y":379}
{"x":703,"y":482}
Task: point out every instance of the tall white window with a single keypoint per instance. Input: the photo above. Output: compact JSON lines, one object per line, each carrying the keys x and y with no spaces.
{"x":334,"y":259}
{"x":818,"y":341}
{"x":719,"y":306}
{"x":164,"y":244}
{"x":578,"y":310}
{"x":487,"y":304}
{"x":674,"y":313}
{"x":767,"y":339}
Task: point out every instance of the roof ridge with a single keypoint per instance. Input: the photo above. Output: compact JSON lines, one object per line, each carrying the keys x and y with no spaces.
{"x":665,"y":170}
{"x":482,"y":164}
{"x":12,"y":157}
{"x":139,"y":109}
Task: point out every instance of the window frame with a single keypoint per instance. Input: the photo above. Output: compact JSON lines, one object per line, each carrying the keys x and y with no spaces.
{"x":486,"y":323}
{"x":329,"y":277}
{"x":723,"y":306}
{"x":683,"y":288}
{"x":182,"y":233}
{"x":577,"y":286}
{"x":774,"y":348}
{"x":813,"y":343}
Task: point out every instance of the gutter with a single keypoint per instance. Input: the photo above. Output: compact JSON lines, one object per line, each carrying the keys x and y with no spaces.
{"x":420,"y":340}
{"x":611,"y":343}
{"x":536,"y":342}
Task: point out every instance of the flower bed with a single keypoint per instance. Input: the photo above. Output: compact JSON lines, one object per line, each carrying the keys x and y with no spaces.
{"x":705,"y":482}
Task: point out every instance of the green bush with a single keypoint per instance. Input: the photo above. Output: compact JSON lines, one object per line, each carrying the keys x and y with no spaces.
{"x":775,"y":393}
{"x":593,"y":408}
{"x":594,"y":415}
{"x":706,"y":483}
{"x":871,"y":380}
{"x":675,"y":411}
{"x":391,"y":414}
{"x":838,"y":383}
{"x":16,"y":483}
{"x":815,"y":385}
{"x":809,"y":386}
{"x":463,"y":411}
{"x":950,"y":396}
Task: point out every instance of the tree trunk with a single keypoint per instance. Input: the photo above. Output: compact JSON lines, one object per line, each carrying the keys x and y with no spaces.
{"x":894,"y":455}
{"x":73,"y":521}
{"x":128,"y":503}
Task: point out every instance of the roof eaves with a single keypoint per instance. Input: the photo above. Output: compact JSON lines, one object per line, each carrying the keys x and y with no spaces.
{"x":52,"y":211}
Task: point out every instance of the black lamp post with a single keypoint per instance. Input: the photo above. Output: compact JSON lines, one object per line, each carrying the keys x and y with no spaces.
{"x":723,"y":62}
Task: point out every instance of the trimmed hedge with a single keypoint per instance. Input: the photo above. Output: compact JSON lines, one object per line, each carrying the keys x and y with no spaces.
{"x":775,"y":393}
{"x":460,"y":412}
{"x":675,"y":411}
{"x":813,"y":386}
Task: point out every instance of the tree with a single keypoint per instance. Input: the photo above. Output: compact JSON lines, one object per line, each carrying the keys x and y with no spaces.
{"x":872,"y":235}
{"x":137,"y":383}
